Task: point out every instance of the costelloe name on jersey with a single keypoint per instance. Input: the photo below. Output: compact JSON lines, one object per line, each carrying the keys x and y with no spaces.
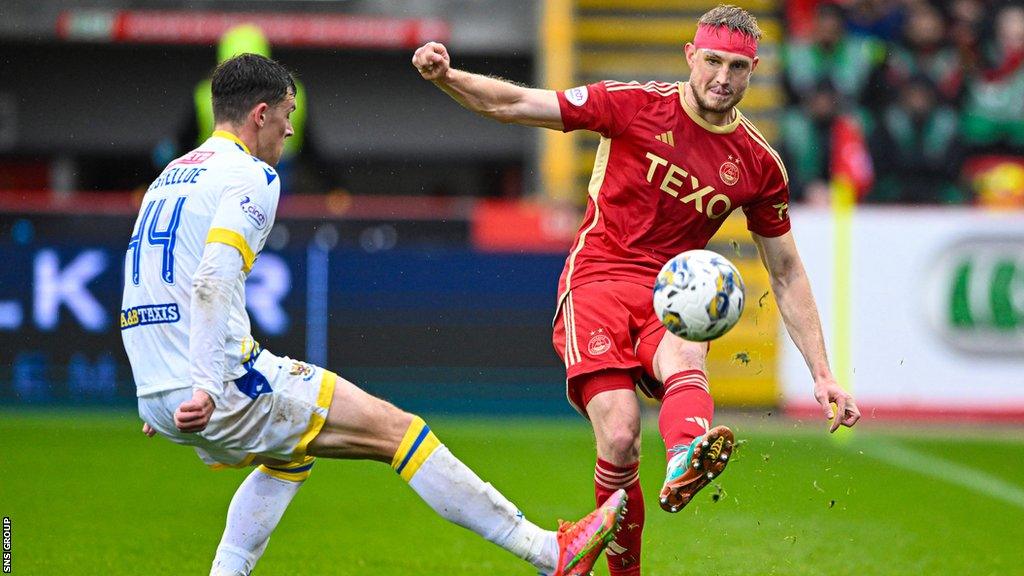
{"x":177,"y":176}
{"x":679,"y":183}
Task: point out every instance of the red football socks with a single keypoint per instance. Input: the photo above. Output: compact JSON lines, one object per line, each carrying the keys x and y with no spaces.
{"x":687,"y":408}
{"x":624,"y":552}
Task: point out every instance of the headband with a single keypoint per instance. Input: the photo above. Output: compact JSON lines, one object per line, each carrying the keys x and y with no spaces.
{"x":725,"y":39}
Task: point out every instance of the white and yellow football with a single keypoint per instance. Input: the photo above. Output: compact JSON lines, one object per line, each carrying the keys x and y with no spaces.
{"x":698,"y":295}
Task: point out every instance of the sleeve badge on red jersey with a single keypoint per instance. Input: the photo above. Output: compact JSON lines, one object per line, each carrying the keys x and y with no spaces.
{"x":577,"y":96}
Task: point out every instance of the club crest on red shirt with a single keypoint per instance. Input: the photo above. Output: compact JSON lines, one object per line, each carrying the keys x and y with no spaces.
{"x":729,"y":173}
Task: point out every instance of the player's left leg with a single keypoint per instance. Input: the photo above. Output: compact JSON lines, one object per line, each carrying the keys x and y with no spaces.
{"x":696,"y":453}
{"x":359,"y":425}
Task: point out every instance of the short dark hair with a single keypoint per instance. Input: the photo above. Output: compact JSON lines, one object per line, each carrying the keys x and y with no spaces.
{"x":244,"y":81}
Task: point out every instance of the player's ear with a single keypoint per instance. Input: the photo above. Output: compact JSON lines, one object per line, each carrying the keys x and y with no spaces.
{"x":690,"y":51}
{"x":753,"y":65}
{"x":259,"y":114}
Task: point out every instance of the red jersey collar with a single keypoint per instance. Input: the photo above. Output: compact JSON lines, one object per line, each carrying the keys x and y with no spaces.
{"x":726,"y":129}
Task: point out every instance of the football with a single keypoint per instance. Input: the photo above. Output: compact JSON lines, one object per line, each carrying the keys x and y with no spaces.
{"x":698,"y":295}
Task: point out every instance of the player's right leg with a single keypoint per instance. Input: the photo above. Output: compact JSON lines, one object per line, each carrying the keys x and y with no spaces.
{"x":595,"y":332}
{"x":255,"y":511}
{"x":261,"y":500}
{"x":359,"y":425}
{"x":614,"y":413}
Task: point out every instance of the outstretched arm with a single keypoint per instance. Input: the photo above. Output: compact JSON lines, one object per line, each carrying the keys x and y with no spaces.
{"x":800,"y":313}
{"x":491,"y":97}
{"x":218,"y":270}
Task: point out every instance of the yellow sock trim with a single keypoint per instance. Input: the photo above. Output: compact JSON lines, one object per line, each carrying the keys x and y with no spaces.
{"x":245,"y":463}
{"x":293,"y":471}
{"x":411,"y":433}
{"x":417,"y":445}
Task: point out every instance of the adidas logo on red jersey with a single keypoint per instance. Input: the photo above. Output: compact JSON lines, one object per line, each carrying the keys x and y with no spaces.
{"x":667,"y":138}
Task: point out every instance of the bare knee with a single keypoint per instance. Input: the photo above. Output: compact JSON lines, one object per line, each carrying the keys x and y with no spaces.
{"x":393,"y":424}
{"x":360,"y":426}
{"x":675,"y":355}
{"x":615,"y":416}
{"x":620,"y":444}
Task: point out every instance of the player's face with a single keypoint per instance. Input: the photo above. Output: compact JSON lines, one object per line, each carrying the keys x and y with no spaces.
{"x":277,"y":126}
{"x":718,"y":79}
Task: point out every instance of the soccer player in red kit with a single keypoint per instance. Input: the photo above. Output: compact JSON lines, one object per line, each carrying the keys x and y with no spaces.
{"x":673,"y":162}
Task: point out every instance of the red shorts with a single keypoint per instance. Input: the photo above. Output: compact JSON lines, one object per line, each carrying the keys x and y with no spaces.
{"x":607,"y":325}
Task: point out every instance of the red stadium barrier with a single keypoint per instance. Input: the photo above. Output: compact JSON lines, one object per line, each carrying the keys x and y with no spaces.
{"x":281,"y":28}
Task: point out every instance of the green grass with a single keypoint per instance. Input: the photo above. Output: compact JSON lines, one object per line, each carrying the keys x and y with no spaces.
{"x":88,"y":494}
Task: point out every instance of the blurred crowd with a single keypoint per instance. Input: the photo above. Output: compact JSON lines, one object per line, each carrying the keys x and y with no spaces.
{"x":912,"y":101}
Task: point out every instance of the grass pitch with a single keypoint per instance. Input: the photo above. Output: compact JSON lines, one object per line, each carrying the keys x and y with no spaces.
{"x":88,"y":494}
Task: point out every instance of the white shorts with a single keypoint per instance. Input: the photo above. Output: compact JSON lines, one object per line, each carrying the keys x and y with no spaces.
{"x":275,"y":410}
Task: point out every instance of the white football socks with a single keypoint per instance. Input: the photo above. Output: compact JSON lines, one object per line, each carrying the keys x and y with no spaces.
{"x":257,"y":507}
{"x":461,"y":497}
{"x":447,"y":485}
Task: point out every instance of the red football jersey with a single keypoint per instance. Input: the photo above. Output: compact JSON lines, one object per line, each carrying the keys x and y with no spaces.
{"x":664,"y":180}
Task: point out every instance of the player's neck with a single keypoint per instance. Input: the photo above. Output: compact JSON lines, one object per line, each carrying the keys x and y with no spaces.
{"x":242,"y":136}
{"x":714,"y":118}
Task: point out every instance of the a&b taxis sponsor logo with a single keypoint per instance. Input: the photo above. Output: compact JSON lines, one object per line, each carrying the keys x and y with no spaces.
{"x":975,"y":296}
{"x":153,"y":314}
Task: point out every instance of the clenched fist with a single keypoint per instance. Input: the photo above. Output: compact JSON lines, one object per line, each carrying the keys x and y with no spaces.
{"x":193,"y":415}
{"x":432,"y":61}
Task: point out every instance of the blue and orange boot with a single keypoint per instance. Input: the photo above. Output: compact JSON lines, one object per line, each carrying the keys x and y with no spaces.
{"x":693,"y":467}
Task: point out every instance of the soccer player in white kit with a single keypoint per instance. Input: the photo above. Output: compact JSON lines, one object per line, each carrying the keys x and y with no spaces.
{"x":203,"y":381}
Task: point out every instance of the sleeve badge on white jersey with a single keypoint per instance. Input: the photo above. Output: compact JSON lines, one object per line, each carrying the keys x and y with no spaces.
{"x":577,"y":96}
{"x":253,"y":212}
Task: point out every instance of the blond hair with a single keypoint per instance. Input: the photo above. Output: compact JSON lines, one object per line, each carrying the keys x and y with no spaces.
{"x":734,"y":17}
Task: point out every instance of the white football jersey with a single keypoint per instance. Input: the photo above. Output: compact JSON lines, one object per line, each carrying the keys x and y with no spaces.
{"x":216,"y":193}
